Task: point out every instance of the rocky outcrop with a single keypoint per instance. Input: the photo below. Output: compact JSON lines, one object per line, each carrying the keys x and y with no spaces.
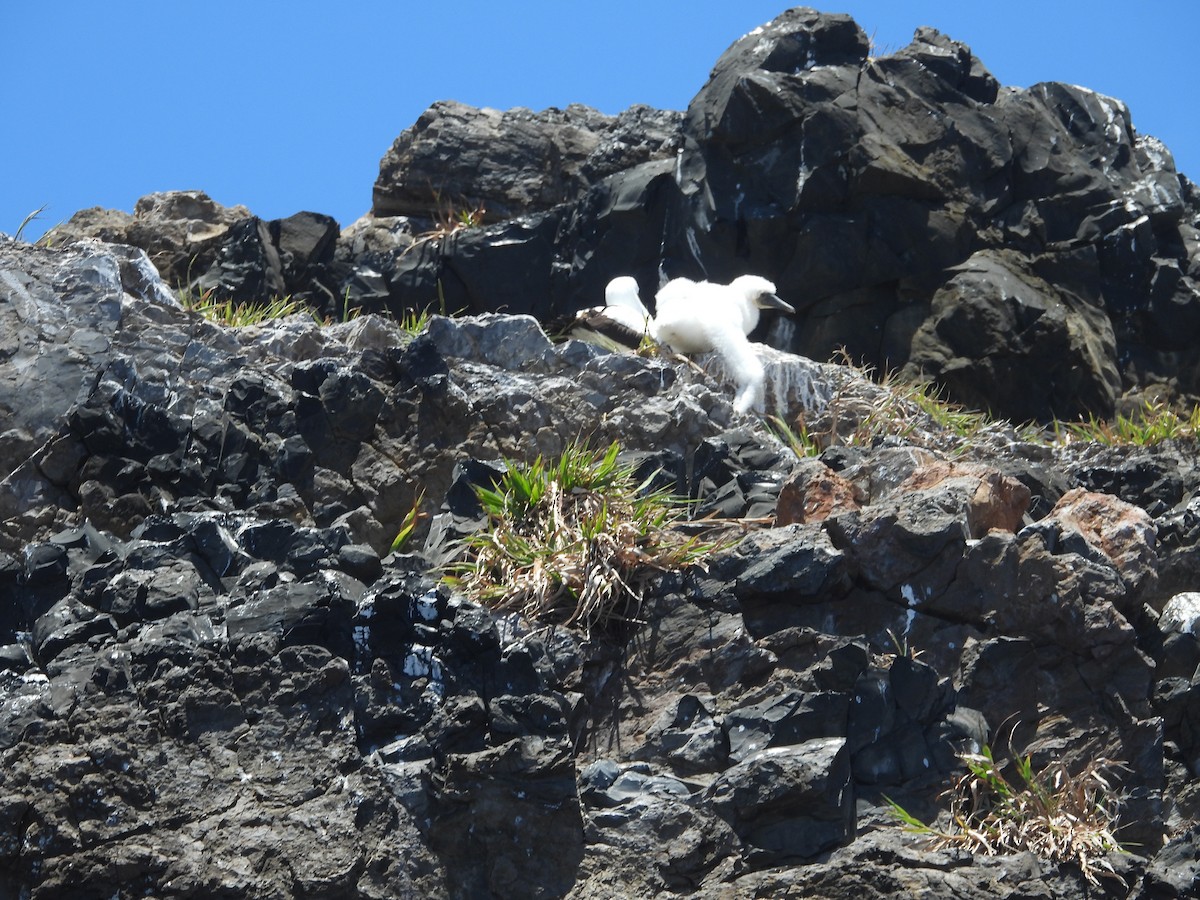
{"x":992,"y":318}
{"x":180,"y":231}
{"x":824,"y":165}
{"x":199,"y":247}
{"x":1024,"y":248}
{"x":217,"y":679}
{"x":457,"y":157}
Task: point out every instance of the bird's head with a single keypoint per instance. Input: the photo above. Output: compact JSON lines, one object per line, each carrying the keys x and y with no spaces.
{"x":622,"y":291}
{"x":757,"y":293}
{"x":760,"y":292}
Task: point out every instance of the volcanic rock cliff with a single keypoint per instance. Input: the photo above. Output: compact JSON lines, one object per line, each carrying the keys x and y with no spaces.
{"x":1026,"y":248}
{"x":218,"y":680}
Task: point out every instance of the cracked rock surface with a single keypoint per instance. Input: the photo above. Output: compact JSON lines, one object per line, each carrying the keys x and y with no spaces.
{"x":216,"y":680}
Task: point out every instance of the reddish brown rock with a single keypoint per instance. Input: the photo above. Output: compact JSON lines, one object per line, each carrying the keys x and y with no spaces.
{"x":814,"y":493}
{"x":1122,"y":532}
{"x":993,"y":500}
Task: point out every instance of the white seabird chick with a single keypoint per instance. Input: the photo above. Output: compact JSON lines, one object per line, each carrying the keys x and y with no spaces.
{"x":623,"y":320}
{"x":696,"y":317}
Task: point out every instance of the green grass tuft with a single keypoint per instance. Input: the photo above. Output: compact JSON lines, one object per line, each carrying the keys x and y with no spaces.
{"x":409,"y":525}
{"x":798,"y":439}
{"x":238,"y":315}
{"x":346,"y":312}
{"x":1152,"y":424}
{"x":574,"y":541}
{"x":949,"y":416}
{"x":415,"y":321}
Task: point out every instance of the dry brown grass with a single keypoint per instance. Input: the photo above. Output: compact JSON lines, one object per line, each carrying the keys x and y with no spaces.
{"x":1059,"y":815}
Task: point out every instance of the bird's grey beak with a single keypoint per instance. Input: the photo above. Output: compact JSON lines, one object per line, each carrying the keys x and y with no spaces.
{"x":770,"y":301}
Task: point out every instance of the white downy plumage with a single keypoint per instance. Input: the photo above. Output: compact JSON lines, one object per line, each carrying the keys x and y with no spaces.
{"x":699,"y":316}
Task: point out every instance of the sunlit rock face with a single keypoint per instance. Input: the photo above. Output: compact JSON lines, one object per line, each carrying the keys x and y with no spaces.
{"x":219,"y":676}
{"x":1025,"y":248}
{"x":202,"y":618}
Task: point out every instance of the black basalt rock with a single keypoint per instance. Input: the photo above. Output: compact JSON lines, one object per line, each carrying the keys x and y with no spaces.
{"x":45,"y":564}
{"x":203,"y":620}
{"x":790,"y":803}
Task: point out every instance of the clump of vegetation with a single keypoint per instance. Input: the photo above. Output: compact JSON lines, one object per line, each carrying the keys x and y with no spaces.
{"x":452,"y":219}
{"x":920,"y":412}
{"x":901,"y":648}
{"x":875,"y":49}
{"x":949,"y":416}
{"x":449,"y":219}
{"x":1057,"y":815}
{"x":345,"y":313}
{"x":797,"y":439}
{"x":1154,"y":423}
{"x":862,"y":411}
{"x":239,"y":315}
{"x":414,"y":321}
{"x":574,"y":541}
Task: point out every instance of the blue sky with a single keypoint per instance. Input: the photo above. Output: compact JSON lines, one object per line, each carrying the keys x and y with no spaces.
{"x":288,"y":106}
